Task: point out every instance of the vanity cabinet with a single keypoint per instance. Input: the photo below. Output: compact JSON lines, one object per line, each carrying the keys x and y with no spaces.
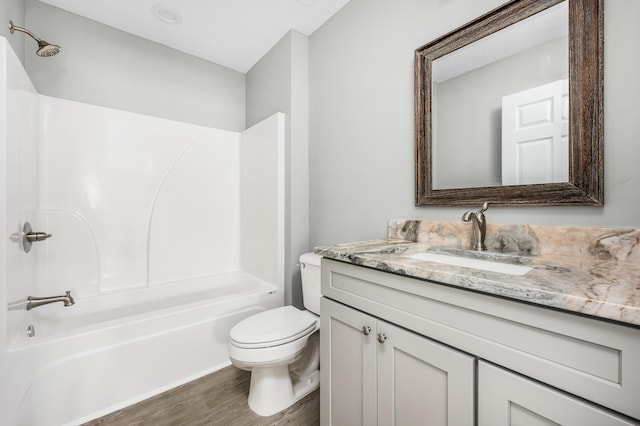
{"x":505,"y":398}
{"x":381,"y":374}
{"x":506,"y":363}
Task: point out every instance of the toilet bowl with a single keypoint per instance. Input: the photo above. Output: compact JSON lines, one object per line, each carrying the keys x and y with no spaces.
{"x":281,"y":347}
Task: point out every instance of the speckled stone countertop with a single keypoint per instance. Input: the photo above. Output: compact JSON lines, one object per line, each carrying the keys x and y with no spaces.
{"x":591,"y":271}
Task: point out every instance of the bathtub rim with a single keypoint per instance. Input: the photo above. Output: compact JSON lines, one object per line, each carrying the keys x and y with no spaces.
{"x":20,"y":341}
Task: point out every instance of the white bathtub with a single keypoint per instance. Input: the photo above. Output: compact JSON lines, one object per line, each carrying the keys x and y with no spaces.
{"x":105,"y":353}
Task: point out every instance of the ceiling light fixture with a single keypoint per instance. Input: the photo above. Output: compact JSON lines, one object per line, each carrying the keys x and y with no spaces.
{"x":166,"y":14}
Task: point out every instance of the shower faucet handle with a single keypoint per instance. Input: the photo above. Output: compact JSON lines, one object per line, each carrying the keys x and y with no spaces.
{"x":26,"y":237}
{"x":37,"y":236}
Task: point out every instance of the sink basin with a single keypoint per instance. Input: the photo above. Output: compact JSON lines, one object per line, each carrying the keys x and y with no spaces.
{"x":466,"y":262}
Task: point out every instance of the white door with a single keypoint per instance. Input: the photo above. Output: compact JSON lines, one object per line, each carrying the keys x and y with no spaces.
{"x":535,"y":135}
{"x":421,"y":382}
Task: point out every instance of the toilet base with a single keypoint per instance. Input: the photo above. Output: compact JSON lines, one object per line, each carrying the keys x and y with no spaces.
{"x":271,"y":389}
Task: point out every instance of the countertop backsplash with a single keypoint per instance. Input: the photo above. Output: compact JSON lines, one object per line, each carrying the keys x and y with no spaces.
{"x":620,"y":244}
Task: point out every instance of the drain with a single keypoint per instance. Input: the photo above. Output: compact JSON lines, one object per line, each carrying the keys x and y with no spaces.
{"x":31,"y":331}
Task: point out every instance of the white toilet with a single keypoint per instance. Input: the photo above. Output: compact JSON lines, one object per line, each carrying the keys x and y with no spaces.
{"x":281,"y":347}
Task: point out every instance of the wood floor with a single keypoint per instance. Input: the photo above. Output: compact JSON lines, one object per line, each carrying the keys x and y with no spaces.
{"x":217,"y":399}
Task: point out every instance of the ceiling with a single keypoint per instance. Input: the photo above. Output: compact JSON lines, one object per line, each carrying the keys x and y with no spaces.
{"x":232,"y":33}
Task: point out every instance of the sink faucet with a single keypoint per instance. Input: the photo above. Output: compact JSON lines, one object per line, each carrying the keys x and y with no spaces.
{"x":479,"y":225}
{"x":34,"y":302}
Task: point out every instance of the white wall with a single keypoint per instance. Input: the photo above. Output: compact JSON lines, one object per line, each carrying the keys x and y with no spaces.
{"x":104,"y":66}
{"x":279,"y":83}
{"x":361,"y":119}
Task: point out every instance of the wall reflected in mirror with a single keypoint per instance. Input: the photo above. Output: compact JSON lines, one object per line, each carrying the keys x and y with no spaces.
{"x":500,"y":107}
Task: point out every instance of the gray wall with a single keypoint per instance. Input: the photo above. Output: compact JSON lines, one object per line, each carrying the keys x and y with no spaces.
{"x":105,"y":66}
{"x":13,"y":10}
{"x":279,"y":83}
{"x":361,"y":119}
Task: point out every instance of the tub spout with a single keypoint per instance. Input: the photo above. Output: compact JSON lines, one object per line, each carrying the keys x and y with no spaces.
{"x":34,"y":302}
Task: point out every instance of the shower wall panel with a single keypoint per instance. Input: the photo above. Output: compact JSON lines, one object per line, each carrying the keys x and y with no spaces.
{"x":262,"y":205}
{"x":134,"y":200}
{"x":18,"y":182}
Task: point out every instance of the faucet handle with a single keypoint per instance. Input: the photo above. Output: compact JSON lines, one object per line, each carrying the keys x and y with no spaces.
{"x":466,"y":217}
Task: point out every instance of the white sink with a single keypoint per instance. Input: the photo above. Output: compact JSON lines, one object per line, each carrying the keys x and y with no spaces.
{"x":466,"y":262}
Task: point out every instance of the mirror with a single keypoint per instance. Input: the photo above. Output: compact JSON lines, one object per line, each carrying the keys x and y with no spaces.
{"x":509,"y":108}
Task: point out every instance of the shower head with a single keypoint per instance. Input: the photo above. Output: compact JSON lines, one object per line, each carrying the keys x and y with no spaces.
{"x":47,"y":49}
{"x":44,"y":48}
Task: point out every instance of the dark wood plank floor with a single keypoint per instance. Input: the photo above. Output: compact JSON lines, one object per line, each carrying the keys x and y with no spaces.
{"x":219,"y":398}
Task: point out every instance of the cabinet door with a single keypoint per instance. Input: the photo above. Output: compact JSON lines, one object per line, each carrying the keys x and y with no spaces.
{"x":421,"y":381}
{"x":505,"y":398}
{"x":347,"y":366}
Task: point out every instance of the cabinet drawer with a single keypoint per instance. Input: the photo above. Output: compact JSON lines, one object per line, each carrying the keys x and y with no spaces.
{"x":506,"y":399}
{"x":594,"y":359}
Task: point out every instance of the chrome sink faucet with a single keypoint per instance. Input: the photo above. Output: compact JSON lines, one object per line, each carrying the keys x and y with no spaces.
{"x":34,"y":302}
{"x":479,"y":224}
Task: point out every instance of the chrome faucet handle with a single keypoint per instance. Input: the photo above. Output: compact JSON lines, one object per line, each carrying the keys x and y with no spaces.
{"x":484,"y":208}
{"x":466,"y":217}
{"x":25,"y":237}
{"x":37,"y":236}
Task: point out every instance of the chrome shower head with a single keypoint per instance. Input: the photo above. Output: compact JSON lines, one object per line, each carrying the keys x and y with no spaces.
{"x":44,"y":48}
{"x":47,"y":49}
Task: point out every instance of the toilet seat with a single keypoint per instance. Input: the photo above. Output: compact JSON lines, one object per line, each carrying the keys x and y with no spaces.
{"x":273,"y":328}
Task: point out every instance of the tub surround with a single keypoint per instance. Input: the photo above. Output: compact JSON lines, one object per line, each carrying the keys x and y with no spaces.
{"x":590,"y":271}
{"x":154,"y":233}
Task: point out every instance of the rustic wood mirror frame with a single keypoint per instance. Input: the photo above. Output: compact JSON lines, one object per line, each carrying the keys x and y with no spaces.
{"x":586,"y":132}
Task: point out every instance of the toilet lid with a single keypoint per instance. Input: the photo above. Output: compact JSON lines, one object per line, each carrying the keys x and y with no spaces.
{"x":273,"y":327}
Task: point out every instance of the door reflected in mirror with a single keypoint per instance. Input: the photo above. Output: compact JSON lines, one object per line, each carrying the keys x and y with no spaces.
{"x":535,"y":135}
{"x":509,"y":108}
{"x":499,"y":111}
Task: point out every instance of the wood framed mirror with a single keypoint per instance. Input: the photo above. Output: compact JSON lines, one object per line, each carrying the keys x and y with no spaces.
{"x":533,"y":173}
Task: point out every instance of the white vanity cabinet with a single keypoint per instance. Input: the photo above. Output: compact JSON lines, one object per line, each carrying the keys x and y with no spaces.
{"x":378,"y":373}
{"x":490,"y":360}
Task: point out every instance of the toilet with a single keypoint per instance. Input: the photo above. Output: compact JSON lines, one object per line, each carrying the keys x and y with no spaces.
{"x":281,"y":347}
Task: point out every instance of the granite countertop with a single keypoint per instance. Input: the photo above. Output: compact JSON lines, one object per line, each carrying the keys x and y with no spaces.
{"x":595,"y":285}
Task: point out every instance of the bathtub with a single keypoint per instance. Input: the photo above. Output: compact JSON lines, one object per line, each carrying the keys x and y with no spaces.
{"x":108,"y":352}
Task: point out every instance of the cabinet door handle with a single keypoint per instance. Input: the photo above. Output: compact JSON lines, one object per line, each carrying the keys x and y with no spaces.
{"x":366,"y":330}
{"x":382,"y":337}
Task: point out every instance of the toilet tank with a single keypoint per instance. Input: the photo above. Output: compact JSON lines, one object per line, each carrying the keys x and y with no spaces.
{"x":310,"y":272}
